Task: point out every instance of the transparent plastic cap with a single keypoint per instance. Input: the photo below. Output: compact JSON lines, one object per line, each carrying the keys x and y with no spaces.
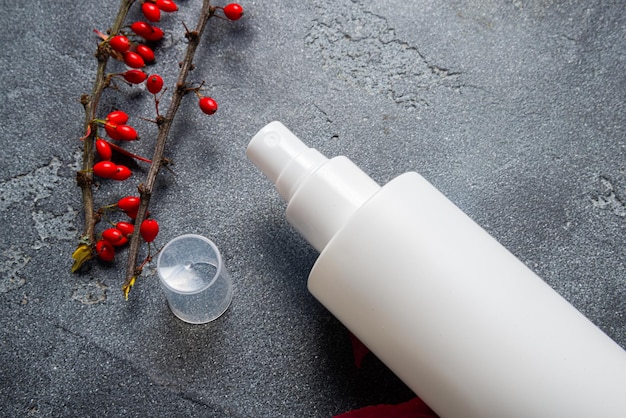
{"x":193,"y":277}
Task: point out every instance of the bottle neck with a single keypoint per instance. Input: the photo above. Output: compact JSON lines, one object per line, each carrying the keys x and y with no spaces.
{"x":327,"y":198}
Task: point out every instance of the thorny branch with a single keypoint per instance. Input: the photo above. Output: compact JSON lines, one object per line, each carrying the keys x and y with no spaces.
{"x":90,"y":103}
{"x":165,"y":123}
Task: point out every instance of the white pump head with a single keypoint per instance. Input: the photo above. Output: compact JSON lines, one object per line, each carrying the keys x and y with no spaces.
{"x":322,"y":194}
{"x":282,"y":157}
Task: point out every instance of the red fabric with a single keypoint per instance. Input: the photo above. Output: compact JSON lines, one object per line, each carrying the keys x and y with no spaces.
{"x":415,"y":408}
{"x":359,"y":350}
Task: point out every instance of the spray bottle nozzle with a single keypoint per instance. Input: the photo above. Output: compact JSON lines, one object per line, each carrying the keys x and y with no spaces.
{"x":282,"y":157}
{"x":322,"y":194}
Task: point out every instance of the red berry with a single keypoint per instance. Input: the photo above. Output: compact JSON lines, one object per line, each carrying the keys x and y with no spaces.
{"x":129,"y":203}
{"x":145,"y":51}
{"x":151,"y":11}
{"x":104,"y":169}
{"x":103,"y":149}
{"x":120,"y":43}
{"x":155,"y":34}
{"x":141,"y":28}
{"x":125,"y":132}
{"x":149,"y":229}
{"x":154,"y":84}
{"x":233,"y":11}
{"x":117,"y":117}
{"x":121,"y":132}
{"x":132,"y":214}
{"x":121,"y":242}
{"x":110,"y":130}
{"x":122,"y":173}
{"x":133,"y":59}
{"x":135,"y":76}
{"x":147,"y":31}
{"x":105,"y":250}
{"x":207,"y":105}
{"x":113,"y":236}
{"x":126,"y":228}
{"x":167,"y":5}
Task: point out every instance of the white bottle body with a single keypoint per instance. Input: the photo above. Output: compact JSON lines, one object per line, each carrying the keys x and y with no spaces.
{"x":458,"y":318}
{"x":455,"y":315}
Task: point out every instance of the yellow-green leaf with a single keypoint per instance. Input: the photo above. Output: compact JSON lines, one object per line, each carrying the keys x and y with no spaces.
{"x":80,"y":255}
{"x":128,"y":285}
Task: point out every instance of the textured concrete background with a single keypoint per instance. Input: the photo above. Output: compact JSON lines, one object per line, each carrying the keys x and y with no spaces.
{"x":514,"y":109}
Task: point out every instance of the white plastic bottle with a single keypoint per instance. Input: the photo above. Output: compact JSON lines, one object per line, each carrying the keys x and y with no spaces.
{"x":455,"y":315}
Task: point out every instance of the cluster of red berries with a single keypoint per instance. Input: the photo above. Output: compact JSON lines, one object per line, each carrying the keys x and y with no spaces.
{"x":152,"y":10}
{"x":118,"y":235}
{"x":115,"y":126}
{"x":136,"y":55}
{"x":133,"y":50}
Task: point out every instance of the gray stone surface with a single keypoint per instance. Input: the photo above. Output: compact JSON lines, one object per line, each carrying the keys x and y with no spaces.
{"x":514,"y":109}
